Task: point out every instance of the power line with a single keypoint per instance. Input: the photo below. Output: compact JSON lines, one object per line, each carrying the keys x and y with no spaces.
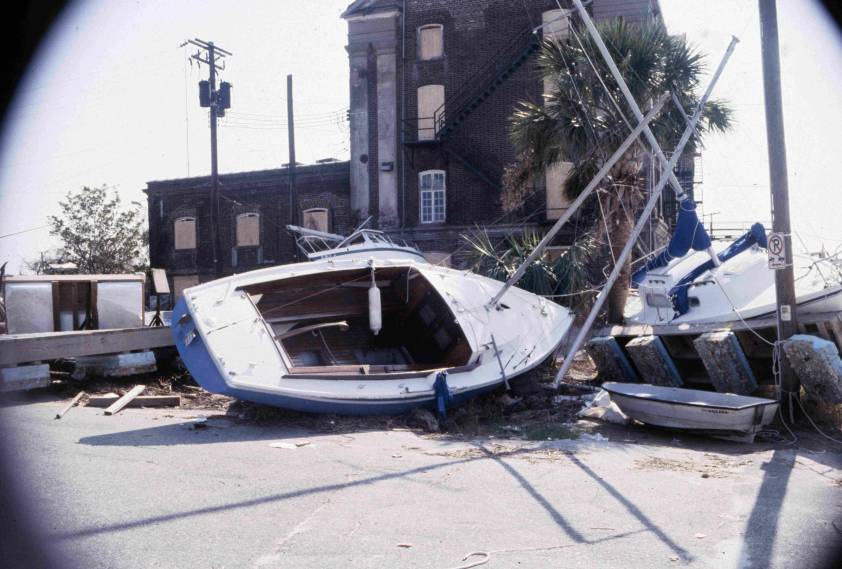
{"x":23,"y":231}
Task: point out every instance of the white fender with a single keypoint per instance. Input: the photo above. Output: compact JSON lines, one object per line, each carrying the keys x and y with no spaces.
{"x":375,"y":311}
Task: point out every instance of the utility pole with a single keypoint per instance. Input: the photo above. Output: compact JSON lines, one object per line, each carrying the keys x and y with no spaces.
{"x":217,"y":100}
{"x":785,"y":277}
{"x":293,"y":198}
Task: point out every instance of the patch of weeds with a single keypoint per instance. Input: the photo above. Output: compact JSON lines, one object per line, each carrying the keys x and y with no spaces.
{"x":544,"y":431}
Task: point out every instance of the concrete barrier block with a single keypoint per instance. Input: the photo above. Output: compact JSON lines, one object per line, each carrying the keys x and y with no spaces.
{"x":725,"y":362}
{"x":115,"y":365}
{"x":24,"y":377}
{"x":653,"y":361}
{"x":611,"y":362}
{"x":817,"y":364}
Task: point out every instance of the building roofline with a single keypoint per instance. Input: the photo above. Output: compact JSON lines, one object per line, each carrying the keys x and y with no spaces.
{"x":204,"y":181}
{"x":366,"y":7}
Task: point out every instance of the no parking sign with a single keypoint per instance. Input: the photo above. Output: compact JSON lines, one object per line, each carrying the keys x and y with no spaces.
{"x":777,"y":251}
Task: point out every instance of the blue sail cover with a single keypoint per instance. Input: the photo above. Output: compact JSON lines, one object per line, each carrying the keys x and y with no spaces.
{"x":754,"y":236}
{"x":689,"y":234}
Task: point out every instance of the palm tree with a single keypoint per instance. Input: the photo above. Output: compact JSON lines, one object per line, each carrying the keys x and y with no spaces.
{"x":585,"y":118}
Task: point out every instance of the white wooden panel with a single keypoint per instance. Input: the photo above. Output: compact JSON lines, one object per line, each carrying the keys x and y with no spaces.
{"x":316,"y":218}
{"x":430,"y":100}
{"x":430,"y":42}
{"x":555,"y":26}
{"x":248,"y":229}
{"x":557,"y":202}
{"x":185,"y":233}
{"x":29,"y":307}
{"x":119,"y":304}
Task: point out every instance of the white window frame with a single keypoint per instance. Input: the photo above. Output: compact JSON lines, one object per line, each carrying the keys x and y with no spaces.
{"x":244,"y":215}
{"x":433,"y":195}
{"x":420,"y":35}
{"x":182,"y":219}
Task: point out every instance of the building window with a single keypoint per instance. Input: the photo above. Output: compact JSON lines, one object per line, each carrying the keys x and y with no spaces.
{"x":430,"y":110}
{"x":430,"y":42}
{"x":185,"y":233}
{"x":433,"y":189}
{"x":315,"y":218}
{"x":554,"y":178}
{"x":248,"y":229}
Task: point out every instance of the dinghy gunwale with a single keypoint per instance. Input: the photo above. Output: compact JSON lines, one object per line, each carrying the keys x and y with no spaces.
{"x":612,"y":388}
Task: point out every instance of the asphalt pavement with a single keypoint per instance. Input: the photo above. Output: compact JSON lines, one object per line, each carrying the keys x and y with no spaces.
{"x":148,"y":488}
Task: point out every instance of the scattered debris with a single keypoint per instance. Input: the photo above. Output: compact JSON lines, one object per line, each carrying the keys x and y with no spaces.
{"x":118,"y":405}
{"x":291,"y":446}
{"x":507,"y":400}
{"x":597,"y":437}
{"x":559,"y":399}
{"x":602,"y":408}
{"x":424,"y":419}
{"x":139,"y":401}
{"x":70,"y":405}
{"x":200,"y":422}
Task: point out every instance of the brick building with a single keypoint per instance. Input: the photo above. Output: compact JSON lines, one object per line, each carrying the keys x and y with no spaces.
{"x":254,"y":212}
{"x":432,"y":84}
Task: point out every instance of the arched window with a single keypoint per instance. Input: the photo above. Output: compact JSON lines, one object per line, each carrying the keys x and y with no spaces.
{"x":315,"y":218}
{"x":430,"y":42}
{"x":430,"y":110}
{"x":432,"y":196}
{"x":248,"y":229}
{"x":184,"y":229}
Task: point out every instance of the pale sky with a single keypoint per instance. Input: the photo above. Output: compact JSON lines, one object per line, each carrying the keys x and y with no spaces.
{"x":111,"y":100}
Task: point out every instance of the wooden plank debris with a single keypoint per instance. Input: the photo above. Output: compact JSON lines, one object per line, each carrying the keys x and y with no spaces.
{"x":16,"y":349}
{"x":125,"y":399}
{"x":139,"y":401}
{"x":70,"y":405}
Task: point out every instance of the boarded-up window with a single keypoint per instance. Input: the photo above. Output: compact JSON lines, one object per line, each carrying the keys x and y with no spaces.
{"x":248,"y":229}
{"x":181,"y":282}
{"x":315,"y":218}
{"x":555,"y":176}
{"x":185,"y":233}
{"x":433,"y":191}
{"x":556,"y":27}
{"x":430,"y":42}
{"x":430,"y":110}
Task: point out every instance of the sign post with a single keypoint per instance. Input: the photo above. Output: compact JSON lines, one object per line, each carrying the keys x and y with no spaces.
{"x":777,"y":251}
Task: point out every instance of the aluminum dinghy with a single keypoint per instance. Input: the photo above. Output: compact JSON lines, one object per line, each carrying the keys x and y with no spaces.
{"x":353,"y":334}
{"x":726,"y":415}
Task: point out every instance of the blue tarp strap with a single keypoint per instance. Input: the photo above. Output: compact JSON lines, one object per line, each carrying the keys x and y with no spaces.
{"x":443,"y":396}
{"x":754,"y":236}
{"x":689,"y":234}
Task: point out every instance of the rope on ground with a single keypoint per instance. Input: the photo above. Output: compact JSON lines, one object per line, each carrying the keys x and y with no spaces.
{"x":486,"y":555}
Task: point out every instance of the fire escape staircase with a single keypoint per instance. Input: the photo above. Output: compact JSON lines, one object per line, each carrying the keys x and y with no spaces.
{"x":458,"y":106}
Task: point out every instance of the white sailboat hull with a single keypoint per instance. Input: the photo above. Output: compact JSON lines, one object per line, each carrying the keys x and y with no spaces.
{"x":741,"y":288}
{"x":230,"y":348}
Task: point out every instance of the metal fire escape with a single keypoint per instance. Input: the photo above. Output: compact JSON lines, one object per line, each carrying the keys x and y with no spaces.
{"x":438,"y":130}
